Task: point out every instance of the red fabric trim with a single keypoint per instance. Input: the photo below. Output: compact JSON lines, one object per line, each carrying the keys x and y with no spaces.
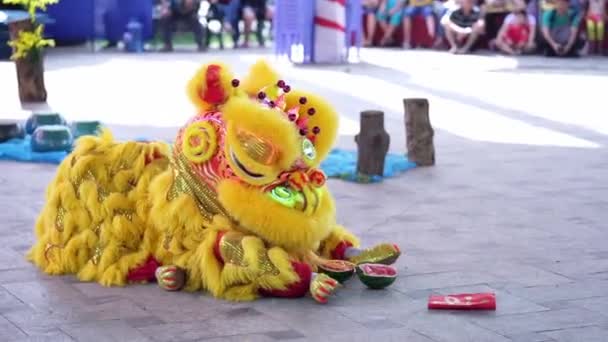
{"x":216,"y":246}
{"x":144,"y":272}
{"x":338,"y":252}
{"x":297,"y":289}
{"x":154,"y":156}
{"x":341,"y":2}
{"x":329,"y":24}
{"x":214,"y":92}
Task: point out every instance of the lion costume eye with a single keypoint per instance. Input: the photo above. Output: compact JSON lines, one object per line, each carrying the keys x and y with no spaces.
{"x":257,"y":148}
{"x":308,"y":150}
{"x":252,"y":158}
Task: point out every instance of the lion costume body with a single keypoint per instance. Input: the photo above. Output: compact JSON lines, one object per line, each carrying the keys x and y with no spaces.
{"x":237,"y":207}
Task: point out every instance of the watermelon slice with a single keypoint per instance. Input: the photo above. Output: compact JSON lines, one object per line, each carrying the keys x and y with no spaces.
{"x":376,"y":276}
{"x":339,"y":270}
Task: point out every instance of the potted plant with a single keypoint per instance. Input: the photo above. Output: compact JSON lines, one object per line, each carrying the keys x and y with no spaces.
{"x":28,"y":43}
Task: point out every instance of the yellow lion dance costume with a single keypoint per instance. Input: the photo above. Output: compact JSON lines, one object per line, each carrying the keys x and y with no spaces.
{"x":237,"y":207}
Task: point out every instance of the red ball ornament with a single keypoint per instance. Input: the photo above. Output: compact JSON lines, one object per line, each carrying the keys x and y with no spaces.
{"x":292,"y":117}
{"x":303,"y":131}
{"x":261,"y":95}
{"x":311,"y":111}
{"x":235,"y":83}
{"x":281,"y":84}
{"x":287,"y":89}
{"x":316,"y":130}
{"x":303,"y":100}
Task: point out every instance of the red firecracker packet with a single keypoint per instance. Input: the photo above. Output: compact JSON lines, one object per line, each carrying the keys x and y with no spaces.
{"x":464,"y":301}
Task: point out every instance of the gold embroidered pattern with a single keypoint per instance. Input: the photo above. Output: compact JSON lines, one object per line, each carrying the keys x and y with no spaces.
{"x":167,"y":242}
{"x":48,"y":248}
{"x":128,"y":213}
{"x":121,"y":167}
{"x":77,"y":182}
{"x":97,"y":228}
{"x":96,"y":255}
{"x":59,"y":219}
{"x":185,"y":181}
{"x":101,"y":194}
{"x":265,"y":265}
{"x":178,"y":187}
{"x":231,"y":250}
{"x":256,"y":148}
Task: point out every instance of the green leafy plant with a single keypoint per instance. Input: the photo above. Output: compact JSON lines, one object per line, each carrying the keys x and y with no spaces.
{"x":30,"y":43}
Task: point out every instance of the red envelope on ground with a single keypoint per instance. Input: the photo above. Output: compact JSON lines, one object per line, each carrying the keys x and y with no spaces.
{"x":464,"y":301}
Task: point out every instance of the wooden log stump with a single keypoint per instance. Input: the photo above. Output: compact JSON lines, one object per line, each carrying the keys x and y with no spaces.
{"x":372,"y":142}
{"x":30,"y":69}
{"x":419,"y":132}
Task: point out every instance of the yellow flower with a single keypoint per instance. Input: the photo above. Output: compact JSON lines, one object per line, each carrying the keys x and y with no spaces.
{"x":28,"y":42}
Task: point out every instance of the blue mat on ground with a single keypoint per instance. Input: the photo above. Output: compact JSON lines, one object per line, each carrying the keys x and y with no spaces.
{"x":338,"y":164}
{"x":21,"y":150}
{"x":343,"y":164}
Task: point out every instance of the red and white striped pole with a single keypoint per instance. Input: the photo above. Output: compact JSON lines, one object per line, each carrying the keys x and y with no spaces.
{"x":330,"y":28}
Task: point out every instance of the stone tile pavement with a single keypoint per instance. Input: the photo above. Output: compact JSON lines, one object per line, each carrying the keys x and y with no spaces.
{"x":516,"y":205}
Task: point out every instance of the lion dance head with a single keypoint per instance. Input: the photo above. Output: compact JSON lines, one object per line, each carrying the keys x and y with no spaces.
{"x":254,"y":149}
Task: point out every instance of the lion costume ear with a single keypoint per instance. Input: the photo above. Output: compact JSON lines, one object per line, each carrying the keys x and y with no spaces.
{"x":321,"y":120}
{"x":260,"y":75}
{"x":211,"y":86}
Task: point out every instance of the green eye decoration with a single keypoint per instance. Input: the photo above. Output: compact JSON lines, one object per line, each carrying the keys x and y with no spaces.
{"x":308,"y":149}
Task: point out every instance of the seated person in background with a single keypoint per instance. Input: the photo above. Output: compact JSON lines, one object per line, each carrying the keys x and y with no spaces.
{"x":216,"y":12}
{"x":389,"y":17}
{"x":442,"y":10}
{"x":253,"y":10}
{"x":186,"y":11}
{"x":463,"y":27}
{"x":596,"y":17}
{"x":415,"y":8}
{"x":370,"y":7}
{"x":560,"y":27}
{"x":517,"y":33}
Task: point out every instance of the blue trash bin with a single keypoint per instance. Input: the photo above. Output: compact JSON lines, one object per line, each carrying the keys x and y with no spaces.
{"x":133,"y":38}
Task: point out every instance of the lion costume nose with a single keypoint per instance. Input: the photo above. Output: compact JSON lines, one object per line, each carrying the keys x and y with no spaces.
{"x":300,"y":178}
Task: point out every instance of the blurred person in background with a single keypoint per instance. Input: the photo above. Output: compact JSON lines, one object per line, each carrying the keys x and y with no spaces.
{"x":463,"y":27}
{"x":254,"y":10}
{"x":185,"y":11}
{"x":596,"y":22}
{"x":370,"y":9}
{"x":560,"y":28}
{"x":517,"y":34}
{"x":415,"y":8}
{"x":389,"y":17}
